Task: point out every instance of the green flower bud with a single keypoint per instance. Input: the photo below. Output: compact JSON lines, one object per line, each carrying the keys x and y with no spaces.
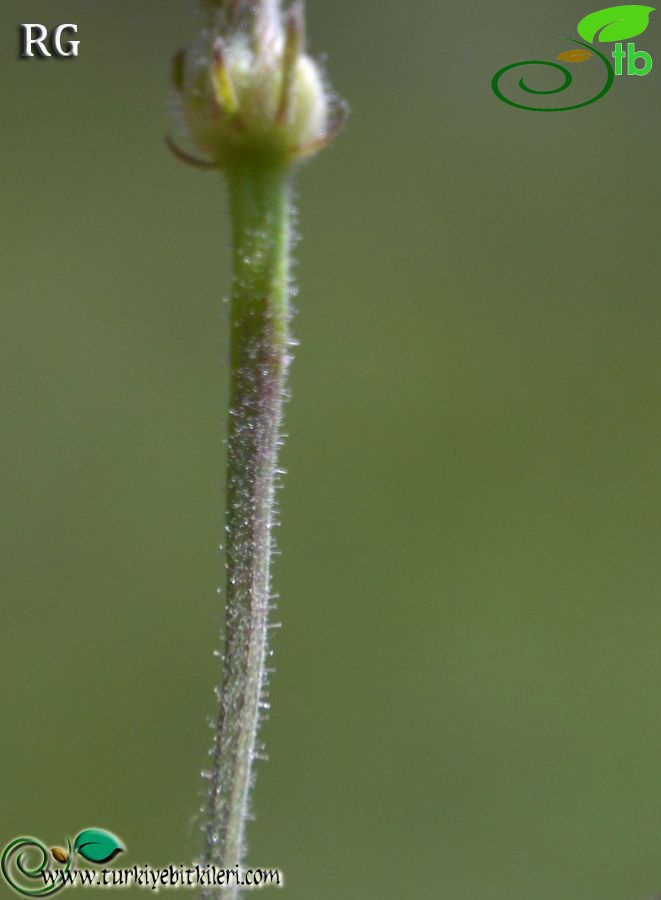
{"x":247,"y":88}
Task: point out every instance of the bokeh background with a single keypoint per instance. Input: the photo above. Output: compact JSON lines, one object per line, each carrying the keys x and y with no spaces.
{"x":468,"y":692}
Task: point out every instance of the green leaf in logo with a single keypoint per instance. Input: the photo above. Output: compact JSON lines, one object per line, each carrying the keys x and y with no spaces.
{"x":97,"y":845}
{"x":617,"y":23}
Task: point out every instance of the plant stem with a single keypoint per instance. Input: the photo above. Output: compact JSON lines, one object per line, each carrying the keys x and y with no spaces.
{"x":260,"y":210}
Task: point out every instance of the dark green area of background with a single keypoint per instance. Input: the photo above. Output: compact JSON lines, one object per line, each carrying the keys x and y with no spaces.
{"x":468,"y":693}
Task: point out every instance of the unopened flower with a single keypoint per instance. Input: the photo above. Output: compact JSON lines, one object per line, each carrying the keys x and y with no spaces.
{"x":247,"y":88}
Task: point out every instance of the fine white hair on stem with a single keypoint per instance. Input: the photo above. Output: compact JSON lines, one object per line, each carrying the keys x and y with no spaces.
{"x":255,"y":104}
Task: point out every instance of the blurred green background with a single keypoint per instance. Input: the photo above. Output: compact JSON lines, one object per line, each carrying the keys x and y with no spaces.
{"x":467,"y":701}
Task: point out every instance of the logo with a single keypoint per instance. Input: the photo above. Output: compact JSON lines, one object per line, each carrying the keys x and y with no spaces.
{"x":613,"y":25}
{"x":27,"y":864}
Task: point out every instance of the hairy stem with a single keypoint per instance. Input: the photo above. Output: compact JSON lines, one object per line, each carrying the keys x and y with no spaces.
{"x":260,"y":210}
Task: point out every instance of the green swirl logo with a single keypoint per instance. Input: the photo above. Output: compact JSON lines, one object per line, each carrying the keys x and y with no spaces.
{"x":26,"y":862}
{"x":617,"y":23}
